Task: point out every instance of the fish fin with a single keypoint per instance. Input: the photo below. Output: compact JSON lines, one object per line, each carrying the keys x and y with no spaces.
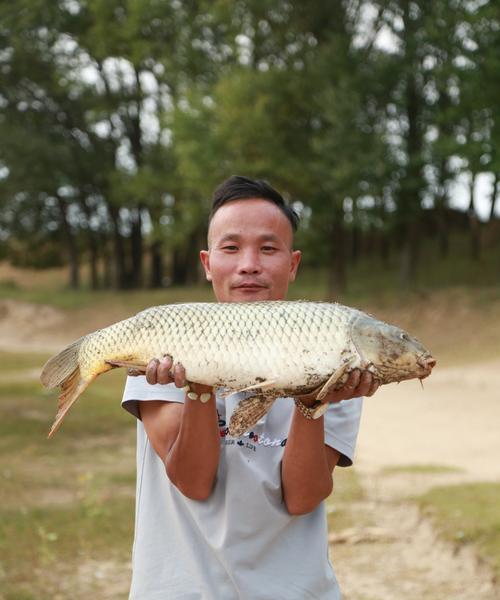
{"x":258,"y":386}
{"x":72,"y":388}
{"x":63,"y":370}
{"x":248,"y":412}
{"x":334,"y":378}
{"x":138,"y":366}
{"x":61,"y":367}
{"x":224,"y":392}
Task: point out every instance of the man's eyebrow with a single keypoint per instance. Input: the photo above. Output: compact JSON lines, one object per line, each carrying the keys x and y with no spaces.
{"x":271,"y":237}
{"x":229,"y":237}
{"x":236,"y":237}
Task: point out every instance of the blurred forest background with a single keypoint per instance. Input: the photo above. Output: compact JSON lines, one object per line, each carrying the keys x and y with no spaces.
{"x":118,"y":118}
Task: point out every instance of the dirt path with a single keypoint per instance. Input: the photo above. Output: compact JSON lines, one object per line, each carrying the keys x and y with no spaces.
{"x":401,"y":556}
{"x":454,"y":423}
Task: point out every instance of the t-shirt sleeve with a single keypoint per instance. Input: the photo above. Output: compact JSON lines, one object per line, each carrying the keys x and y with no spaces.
{"x":341,"y":428}
{"x":137,"y":389}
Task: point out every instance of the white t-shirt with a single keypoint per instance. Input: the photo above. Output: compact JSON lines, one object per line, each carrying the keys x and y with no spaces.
{"x":240,"y":543}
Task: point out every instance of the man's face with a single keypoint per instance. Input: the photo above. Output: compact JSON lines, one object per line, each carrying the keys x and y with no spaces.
{"x":250,"y":254}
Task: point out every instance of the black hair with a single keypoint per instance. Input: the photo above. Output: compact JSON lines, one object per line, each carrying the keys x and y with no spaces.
{"x":238,"y":187}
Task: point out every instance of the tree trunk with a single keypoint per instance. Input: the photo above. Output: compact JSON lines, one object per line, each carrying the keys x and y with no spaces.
{"x":337,"y":283}
{"x":120,"y":280}
{"x":493,"y":200}
{"x":192,"y":259}
{"x":156,"y":272}
{"x":474,"y":225}
{"x":71,"y":244}
{"x":178,"y":267}
{"x":385,"y":248}
{"x":443,"y":232}
{"x":409,"y":255}
{"x":94,"y":258}
{"x":107,"y":262}
{"x":441,"y":216}
{"x":92,"y":245}
{"x":409,"y":205}
{"x":136,"y":249}
{"x":355,"y":244}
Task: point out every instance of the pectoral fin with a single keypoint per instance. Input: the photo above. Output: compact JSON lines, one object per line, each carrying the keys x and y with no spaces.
{"x":224,"y":392}
{"x":262,"y":385}
{"x":248,"y":412}
{"x":127,"y":364}
{"x":334,"y":378}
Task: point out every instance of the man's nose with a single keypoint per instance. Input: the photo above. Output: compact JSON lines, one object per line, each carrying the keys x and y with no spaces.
{"x":249,"y":263}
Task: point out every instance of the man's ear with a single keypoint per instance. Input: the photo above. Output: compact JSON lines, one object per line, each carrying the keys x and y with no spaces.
{"x":205,"y":261}
{"x":294,"y":264}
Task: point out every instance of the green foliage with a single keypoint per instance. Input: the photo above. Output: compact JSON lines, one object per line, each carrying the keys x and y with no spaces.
{"x":119,"y":118}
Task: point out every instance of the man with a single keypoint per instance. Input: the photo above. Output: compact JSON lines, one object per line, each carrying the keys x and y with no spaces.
{"x":219,"y":518}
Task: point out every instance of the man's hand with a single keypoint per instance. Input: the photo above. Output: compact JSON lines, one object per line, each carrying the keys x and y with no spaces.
{"x":185,"y":436}
{"x":161,"y":371}
{"x":359,"y":383}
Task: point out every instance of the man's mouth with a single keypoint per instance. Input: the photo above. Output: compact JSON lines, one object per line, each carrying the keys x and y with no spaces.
{"x":250,"y":286}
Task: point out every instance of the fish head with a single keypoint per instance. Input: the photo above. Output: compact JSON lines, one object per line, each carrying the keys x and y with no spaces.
{"x":390,"y":352}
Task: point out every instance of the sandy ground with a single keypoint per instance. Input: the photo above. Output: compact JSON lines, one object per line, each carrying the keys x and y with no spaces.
{"x":452,"y":422}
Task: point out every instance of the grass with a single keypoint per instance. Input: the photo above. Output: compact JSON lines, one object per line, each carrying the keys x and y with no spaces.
{"x":66,"y":504}
{"x":420,"y":469}
{"x":341,"y":505}
{"x":468,"y":514}
{"x":55,"y":538}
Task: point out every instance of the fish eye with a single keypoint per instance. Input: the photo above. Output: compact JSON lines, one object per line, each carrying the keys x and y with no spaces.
{"x":404,"y":336}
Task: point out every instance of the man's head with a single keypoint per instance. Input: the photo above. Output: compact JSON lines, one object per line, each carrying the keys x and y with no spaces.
{"x":250,"y":252}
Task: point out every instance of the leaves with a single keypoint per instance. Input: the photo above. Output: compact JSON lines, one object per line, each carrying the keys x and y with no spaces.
{"x":127,"y":114}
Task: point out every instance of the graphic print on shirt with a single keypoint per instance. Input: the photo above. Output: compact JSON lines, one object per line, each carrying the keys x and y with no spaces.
{"x":254,"y":439}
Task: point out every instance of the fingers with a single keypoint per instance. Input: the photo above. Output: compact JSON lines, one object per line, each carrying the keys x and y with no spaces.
{"x":365,"y":383}
{"x":164,"y":366}
{"x":179,"y":375}
{"x":133,"y":372}
{"x":160,"y":371}
{"x":373,"y":388}
{"x":152,"y":371}
{"x":352,"y":381}
{"x":358,"y":384}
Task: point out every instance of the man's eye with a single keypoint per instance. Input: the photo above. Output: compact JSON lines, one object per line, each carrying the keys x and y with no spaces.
{"x":230,"y":248}
{"x":268,"y":248}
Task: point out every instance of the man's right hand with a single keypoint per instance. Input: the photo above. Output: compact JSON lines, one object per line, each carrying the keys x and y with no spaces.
{"x":161,"y":371}
{"x":185,"y":436}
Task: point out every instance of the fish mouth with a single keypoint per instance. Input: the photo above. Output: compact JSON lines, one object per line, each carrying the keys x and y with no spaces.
{"x":427,"y":363}
{"x":421,"y":369}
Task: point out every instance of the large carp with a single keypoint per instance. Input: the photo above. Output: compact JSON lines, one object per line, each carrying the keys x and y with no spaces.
{"x":268,"y":349}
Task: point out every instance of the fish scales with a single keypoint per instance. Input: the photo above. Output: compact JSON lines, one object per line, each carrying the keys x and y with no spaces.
{"x":277,"y":348}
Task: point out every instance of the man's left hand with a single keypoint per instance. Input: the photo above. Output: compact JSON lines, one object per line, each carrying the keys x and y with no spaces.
{"x":359,"y":383}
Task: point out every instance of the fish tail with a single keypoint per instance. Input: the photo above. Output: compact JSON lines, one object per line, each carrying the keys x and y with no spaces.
{"x":72,"y":388}
{"x":64,"y":370}
{"x":62,"y":366}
